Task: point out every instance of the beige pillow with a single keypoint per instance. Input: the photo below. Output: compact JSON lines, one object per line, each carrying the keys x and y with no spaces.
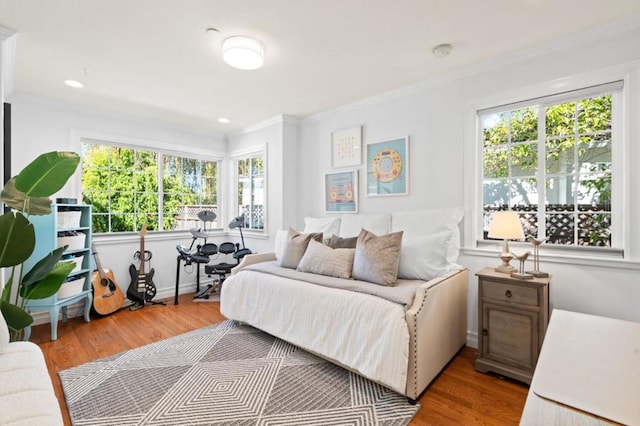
{"x":339,"y":242}
{"x":296,"y":246}
{"x":377,"y":258}
{"x":323,"y":260}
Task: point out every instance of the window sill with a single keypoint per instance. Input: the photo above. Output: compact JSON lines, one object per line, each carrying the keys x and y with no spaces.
{"x":559,"y":258}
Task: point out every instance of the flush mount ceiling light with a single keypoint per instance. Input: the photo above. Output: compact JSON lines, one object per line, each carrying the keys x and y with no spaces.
{"x":74,"y":83}
{"x":243,"y":52}
{"x":224,"y":120}
{"x":442,"y":50}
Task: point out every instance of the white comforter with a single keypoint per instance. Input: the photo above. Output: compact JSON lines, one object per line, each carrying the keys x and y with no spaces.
{"x":364,"y":333}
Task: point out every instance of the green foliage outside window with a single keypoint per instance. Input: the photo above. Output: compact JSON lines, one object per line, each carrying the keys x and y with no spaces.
{"x":122,"y":185}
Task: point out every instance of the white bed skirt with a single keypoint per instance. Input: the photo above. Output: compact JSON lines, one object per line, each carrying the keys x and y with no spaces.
{"x":364,"y":333}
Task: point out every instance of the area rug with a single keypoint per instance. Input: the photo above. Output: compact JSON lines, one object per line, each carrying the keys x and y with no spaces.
{"x":226,"y":374}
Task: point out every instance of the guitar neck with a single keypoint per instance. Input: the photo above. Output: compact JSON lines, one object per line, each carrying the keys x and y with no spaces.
{"x":98,"y":263}
{"x":142,"y":234}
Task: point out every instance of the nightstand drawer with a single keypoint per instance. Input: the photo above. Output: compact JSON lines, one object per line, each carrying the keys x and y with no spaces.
{"x":510,"y":293}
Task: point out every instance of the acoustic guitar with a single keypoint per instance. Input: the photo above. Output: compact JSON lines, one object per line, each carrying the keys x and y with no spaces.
{"x":107,"y":296}
{"x":142,"y":289}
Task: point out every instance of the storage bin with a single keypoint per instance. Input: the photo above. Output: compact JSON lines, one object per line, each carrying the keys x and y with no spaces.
{"x":71,"y":288}
{"x":69,"y":219}
{"x":78,"y":261}
{"x":75,"y":242}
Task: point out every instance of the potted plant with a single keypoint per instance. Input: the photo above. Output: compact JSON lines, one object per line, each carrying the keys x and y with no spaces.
{"x":28,"y":194}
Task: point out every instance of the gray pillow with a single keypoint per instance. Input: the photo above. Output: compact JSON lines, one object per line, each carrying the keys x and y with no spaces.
{"x":296,"y":246}
{"x":339,"y":242}
{"x":322,"y":260}
{"x":377,"y":258}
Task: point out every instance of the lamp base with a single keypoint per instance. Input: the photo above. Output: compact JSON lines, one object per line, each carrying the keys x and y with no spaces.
{"x":505,"y":269}
{"x":538,"y":274}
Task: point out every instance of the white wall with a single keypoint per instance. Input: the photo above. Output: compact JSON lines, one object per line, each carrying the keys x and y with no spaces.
{"x":435,"y":116}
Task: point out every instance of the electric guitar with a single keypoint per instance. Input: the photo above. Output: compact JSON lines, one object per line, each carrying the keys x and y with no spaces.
{"x":142,"y":289}
{"x":107,"y":296}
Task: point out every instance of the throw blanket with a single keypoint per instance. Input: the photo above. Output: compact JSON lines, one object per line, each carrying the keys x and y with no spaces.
{"x":403,"y":293}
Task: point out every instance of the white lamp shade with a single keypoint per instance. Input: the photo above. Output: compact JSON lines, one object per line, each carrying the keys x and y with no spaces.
{"x":506,"y":225}
{"x":243,"y":52}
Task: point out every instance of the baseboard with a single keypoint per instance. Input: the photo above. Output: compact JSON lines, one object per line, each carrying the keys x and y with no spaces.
{"x":77,"y":309}
{"x":472,"y":339}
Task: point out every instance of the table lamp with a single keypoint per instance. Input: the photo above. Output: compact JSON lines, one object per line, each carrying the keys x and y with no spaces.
{"x":506,"y":225}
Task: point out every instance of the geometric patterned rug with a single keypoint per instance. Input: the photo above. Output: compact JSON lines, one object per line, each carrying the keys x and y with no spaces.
{"x":226,"y":374}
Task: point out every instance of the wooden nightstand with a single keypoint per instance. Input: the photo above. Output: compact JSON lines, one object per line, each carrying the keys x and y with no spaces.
{"x":512,"y":319}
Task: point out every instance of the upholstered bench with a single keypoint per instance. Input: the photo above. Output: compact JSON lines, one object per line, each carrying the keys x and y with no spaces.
{"x":26,"y":393}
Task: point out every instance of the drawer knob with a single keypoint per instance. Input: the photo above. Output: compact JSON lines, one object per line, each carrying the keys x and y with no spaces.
{"x":508,"y":293}
{"x":485,"y":332}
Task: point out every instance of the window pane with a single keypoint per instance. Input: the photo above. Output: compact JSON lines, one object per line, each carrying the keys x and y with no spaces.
{"x":496,"y":162}
{"x":595,"y":189}
{"x":594,"y":229}
{"x":594,"y":115}
{"x":524,"y":125}
{"x":524,"y":159}
{"x":560,"y":119}
{"x":495,"y":129}
{"x":560,"y":191}
{"x":560,"y":156}
{"x":495,"y":192}
{"x":560,"y":228}
{"x":594,"y":154}
{"x":524,"y":192}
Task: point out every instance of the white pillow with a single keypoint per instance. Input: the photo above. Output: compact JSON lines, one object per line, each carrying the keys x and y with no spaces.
{"x":352,"y":224}
{"x":327,"y":225}
{"x":323,"y":260}
{"x":281,"y":242}
{"x":424,"y":257}
{"x":4,"y":334}
{"x":431,"y":221}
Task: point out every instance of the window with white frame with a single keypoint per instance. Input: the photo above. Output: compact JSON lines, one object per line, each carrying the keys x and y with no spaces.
{"x":251,"y":183}
{"x":551,"y":160}
{"x":130,"y":186}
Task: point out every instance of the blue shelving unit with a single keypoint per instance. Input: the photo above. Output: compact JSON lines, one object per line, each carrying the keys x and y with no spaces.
{"x":51,"y":233}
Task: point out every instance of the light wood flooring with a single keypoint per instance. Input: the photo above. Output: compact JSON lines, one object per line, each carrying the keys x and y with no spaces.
{"x":459,"y":396}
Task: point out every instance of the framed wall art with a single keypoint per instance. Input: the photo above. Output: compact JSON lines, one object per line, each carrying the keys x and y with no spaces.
{"x":388,"y":167}
{"x":341,"y":192}
{"x":346,"y":147}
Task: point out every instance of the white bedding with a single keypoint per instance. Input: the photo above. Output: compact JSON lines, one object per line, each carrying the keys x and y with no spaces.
{"x":321,"y":320}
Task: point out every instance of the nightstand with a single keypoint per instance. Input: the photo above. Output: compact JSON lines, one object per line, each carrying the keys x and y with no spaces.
{"x":512,"y":319}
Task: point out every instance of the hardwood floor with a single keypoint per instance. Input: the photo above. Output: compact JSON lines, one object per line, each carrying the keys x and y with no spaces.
{"x":459,"y":396}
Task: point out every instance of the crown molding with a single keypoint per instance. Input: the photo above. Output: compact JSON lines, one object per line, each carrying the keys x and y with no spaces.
{"x":541,"y":49}
{"x":278,"y":119}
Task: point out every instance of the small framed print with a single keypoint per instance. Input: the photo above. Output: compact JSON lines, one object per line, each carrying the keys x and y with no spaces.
{"x":346,"y":147}
{"x":388,"y":167}
{"x":341,"y":192}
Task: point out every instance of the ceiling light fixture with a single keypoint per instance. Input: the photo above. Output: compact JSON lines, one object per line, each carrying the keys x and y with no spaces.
{"x":442,"y":50}
{"x":243,"y":52}
{"x":223,"y":120}
{"x":74,"y":83}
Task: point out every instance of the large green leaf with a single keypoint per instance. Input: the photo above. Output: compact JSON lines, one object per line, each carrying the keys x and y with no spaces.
{"x":47,"y":174}
{"x":17,"y":239}
{"x":43,"y":267}
{"x":16,"y":317}
{"x":20,"y":201}
{"x":50,"y":284}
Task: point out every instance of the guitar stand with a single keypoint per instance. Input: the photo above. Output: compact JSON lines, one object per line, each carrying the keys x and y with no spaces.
{"x":135,"y":306}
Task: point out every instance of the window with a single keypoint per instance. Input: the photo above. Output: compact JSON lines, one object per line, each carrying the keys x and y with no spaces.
{"x":550,"y":159}
{"x":129,"y":187}
{"x":251,"y":195}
